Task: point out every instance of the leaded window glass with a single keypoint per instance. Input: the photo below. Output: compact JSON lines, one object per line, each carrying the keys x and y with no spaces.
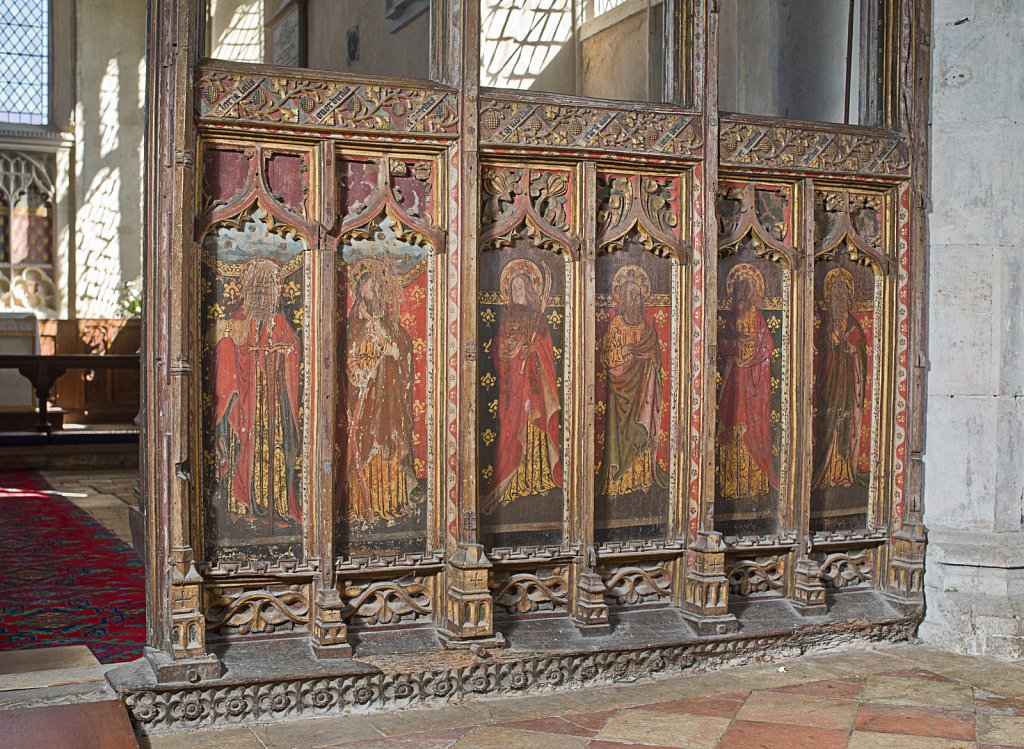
{"x":24,"y":61}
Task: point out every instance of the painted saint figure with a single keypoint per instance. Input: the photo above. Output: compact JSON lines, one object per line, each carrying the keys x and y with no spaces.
{"x":380,"y":475}
{"x":256,"y":358}
{"x":746,"y":465}
{"x":528,"y":460}
{"x":630,"y":353}
{"x":840,"y":385}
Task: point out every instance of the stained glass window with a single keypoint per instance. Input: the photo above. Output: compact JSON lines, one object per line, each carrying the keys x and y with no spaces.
{"x":24,"y":61}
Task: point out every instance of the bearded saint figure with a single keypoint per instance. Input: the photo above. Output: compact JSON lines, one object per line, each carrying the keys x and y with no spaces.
{"x":255,"y":366}
{"x":528,"y":460}
{"x":380,"y":475}
{"x":839,"y":385}
{"x":630,"y":352}
{"x":746,"y":466}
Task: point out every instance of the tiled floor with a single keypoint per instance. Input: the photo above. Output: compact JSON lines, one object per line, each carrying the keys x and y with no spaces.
{"x":106,"y":495}
{"x":898,"y":697}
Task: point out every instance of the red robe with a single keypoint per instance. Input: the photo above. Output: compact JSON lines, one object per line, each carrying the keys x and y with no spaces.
{"x":527,"y":393}
{"x":269,"y":356}
{"x":746,"y":397}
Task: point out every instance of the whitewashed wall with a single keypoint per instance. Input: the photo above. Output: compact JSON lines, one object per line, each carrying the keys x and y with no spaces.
{"x":974,"y":479}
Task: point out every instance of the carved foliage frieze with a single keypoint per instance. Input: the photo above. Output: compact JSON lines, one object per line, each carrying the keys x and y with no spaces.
{"x":176,"y":709}
{"x":285,"y":100}
{"x":745,"y":143}
{"x":527,"y":592}
{"x":239,"y":609}
{"x":519,"y":123}
{"x":757,"y":575}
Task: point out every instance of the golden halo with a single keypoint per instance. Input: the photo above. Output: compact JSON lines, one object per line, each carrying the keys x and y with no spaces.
{"x":839,"y":275}
{"x":520,"y":267}
{"x":631,"y":274}
{"x":749,"y":272}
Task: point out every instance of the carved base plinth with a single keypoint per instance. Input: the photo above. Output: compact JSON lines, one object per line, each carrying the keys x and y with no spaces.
{"x":808,"y":598}
{"x":329,"y":633}
{"x":705,"y":600}
{"x":469,"y":612}
{"x":905,"y":581}
{"x":709,"y":626}
{"x":590,"y":612}
{"x":189,"y":670}
{"x":451,"y":641}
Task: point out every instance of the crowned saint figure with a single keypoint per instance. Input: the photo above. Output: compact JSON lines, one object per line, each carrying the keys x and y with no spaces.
{"x":746,"y":465}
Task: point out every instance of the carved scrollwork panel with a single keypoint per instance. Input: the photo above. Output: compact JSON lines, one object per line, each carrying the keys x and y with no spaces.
{"x":535,"y":203}
{"x":529,"y":592}
{"x":632,"y":585}
{"x":240,"y":609}
{"x":386,"y":601}
{"x":759,"y":575}
{"x":645,"y":207}
{"x":335,"y":104}
{"x":523,"y":123}
{"x":846,"y":569}
{"x":745,"y":142}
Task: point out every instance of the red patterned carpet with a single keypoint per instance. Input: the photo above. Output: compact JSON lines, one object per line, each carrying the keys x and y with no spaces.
{"x":64,"y":578}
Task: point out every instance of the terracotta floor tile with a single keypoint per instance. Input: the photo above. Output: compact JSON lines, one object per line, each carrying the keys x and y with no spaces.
{"x":796,"y":709}
{"x":868,"y":740}
{"x":894,"y":690}
{"x":591,"y":720}
{"x":426,"y":740}
{"x":686,"y":731}
{"x":748,"y":734}
{"x":988,"y":702}
{"x":598,"y":744}
{"x":551,"y":725}
{"x":917,"y":673}
{"x":845,"y":689}
{"x":1007,"y":730}
{"x":719,"y":706}
{"x":498,"y":737}
{"x":917,"y":721}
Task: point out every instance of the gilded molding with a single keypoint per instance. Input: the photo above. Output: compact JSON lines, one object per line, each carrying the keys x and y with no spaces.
{"x":351,"y":106}
{"x":534,"y":124}
{"x":745,"y":143}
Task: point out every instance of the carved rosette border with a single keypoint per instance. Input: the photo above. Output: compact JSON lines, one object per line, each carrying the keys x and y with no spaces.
{"x":330,"y":104}
{"x":745,"y":143}
{"x":521,"y":123}
{"x":176,"y":709}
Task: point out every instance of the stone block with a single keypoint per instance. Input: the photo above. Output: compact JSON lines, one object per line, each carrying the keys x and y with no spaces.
{"x":960,"y":462}
{"x":973,"y":80}
{"x":960,"y":340}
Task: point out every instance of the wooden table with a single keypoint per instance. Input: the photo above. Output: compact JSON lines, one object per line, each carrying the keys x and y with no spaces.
{"x":43,"y":370}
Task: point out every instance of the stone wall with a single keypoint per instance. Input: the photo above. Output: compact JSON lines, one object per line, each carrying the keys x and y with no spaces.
{"x":974,"y":478}
{"x":110,"y":49}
